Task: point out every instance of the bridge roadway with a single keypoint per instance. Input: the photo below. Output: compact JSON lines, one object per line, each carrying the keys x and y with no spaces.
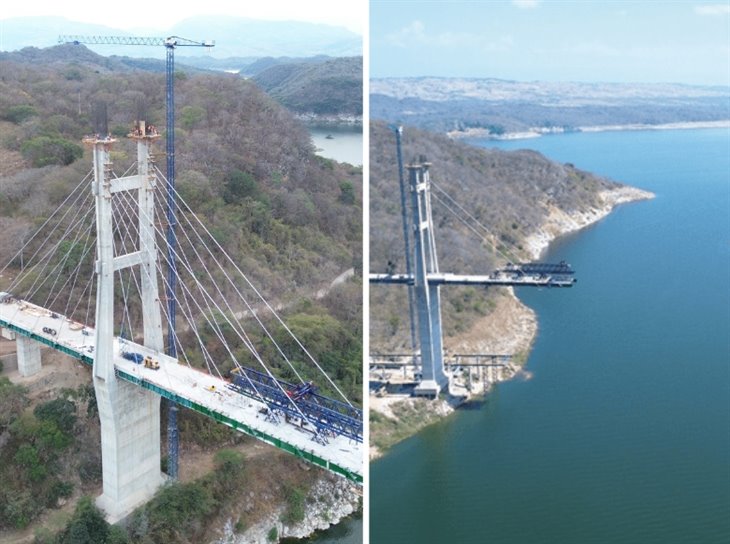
{"x":188,"y":387}
{"x":499,"y":278}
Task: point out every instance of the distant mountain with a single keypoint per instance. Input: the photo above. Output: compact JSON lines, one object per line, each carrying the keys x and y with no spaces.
{"x":81,"y":56}
{"x":325,"y":88}
{"x":234,"y":37}
{"x":265,"y":63}
{"x":459,"y":104}
{"x":247,"y":66}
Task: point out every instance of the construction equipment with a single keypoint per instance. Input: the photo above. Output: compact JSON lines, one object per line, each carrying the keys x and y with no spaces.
{"x":136,"y":358}
{"x":170,"y":43}
{"x":149,"y":362}
{"x":327,"y":416}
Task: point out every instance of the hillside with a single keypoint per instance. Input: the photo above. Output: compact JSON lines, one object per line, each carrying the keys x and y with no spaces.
{"x":511,"y":193}
{"x":498,"y":107}
{"x":291,"y":220}
{"x":226,"y":128}
{"x":326,"y":88}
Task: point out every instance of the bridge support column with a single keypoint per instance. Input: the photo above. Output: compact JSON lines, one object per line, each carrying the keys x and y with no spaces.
{"x":130,"y":446}
{"x":29,"y":356}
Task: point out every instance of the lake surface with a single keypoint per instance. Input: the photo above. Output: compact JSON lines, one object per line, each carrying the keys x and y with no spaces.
{"x":623,"y":432}
{"x":343,"y":145}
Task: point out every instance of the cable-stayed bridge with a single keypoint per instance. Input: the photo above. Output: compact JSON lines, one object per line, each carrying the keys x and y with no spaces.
{"x":424,"y":279}
{"x":238,"y":362}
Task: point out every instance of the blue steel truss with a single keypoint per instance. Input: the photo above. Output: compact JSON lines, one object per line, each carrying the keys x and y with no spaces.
{"x":327,"y":415}
{"x":561,"y":268}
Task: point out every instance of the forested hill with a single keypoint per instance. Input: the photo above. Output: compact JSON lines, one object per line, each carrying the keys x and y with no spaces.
{"x":291,"y":220}
{"x":499,"y":106}
{"x":325,"y":88}
{"x":510,"y":193}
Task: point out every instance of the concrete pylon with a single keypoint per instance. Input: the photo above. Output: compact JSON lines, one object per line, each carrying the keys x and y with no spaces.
{"x":129,"y":415}
{"x":29,"y":356}
{"x":428,"y":297}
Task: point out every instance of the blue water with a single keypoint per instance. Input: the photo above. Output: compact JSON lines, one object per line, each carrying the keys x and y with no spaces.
{"x":341,"y":143}
{"x":623,"y":433}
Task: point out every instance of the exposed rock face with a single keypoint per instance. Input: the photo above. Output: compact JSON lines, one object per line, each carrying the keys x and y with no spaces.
{"x":330,"y":500}
{"x":561,"y":222}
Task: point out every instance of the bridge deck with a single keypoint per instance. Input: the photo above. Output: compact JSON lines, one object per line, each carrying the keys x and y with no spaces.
{"x":188,"y":387}
{"x":498,"y":278}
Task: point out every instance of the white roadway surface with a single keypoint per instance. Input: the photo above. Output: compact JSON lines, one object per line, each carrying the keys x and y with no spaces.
{"x":186,"y":382}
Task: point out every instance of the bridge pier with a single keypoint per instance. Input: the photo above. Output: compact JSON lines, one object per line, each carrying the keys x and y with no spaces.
{"x":29,"y":356}
{"x":130,"y":446}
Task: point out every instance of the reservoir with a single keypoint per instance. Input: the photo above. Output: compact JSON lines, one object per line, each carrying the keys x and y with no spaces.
{"x":622,"y":434}
{"x":341,"y":143}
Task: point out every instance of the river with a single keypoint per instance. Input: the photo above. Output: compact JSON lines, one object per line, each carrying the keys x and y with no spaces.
{"x":623,"y":432}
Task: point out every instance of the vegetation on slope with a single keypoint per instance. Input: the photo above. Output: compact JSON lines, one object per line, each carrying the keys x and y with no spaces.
{"x":290,"y":220}
{"x":42,"y":459}
{"x":328,"y":88}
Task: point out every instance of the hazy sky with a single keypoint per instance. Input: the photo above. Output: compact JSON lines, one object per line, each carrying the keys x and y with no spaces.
{"x":162,"y":14}
{"x":552,"y":40}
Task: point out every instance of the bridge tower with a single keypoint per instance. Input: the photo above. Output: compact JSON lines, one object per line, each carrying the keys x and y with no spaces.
{"x":129,"y":415}
{"x":428,"y":297}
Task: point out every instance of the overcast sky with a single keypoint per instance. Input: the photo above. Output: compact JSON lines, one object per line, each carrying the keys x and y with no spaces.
{"x":162,"y":14}
{"x":618,"y":41}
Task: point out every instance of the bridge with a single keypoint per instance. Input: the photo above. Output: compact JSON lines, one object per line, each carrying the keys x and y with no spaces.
{"x":103,"y":245}
{"x":424,"y":279}
{"x":194,"y":389}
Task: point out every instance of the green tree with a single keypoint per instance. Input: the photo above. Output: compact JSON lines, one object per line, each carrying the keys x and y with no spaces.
{"x":46,"y":150}
{"x":240,"y":185}
{"x":18,"y":114}
{"x":62,"y":412}
{"x":191,"y":116}
{"x":88,"y":526}
{"x":176,"y":509}
{"x":27,"y":457}
{"x":347,"y":193}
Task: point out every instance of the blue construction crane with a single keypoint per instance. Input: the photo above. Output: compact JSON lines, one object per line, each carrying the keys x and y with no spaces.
{"x":170,"y":43}
{"x":406,"y":235}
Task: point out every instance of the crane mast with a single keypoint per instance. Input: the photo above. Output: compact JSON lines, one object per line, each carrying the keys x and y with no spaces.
{"x":170,"y":43}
